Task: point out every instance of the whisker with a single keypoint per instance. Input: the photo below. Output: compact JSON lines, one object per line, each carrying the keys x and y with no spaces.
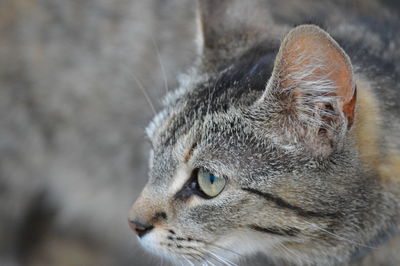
{"x":199,"y":251}
{"x":221,"y":258}
{"x":284,"y":250}
{"x":212,"y":264}
{"x":215,"y":257}
{"x":191,"y":263}
{"x":219,"y":247}
{"x":219,"y":261}
{"x":338,"y":236}
{"x":225,"y":249}
{"x":291,"y":253}
{"x":180,"y":261}
{"x":144,"y":93}
{"x":161,"y":64}
{"x":203,"y":262}
{"x":195,"y":256}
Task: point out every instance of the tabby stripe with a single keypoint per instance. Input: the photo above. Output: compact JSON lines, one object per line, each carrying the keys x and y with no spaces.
{"x":283,"y":204}
{"x":276,"y":231}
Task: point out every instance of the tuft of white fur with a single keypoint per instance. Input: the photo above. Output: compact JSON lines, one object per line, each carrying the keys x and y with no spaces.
{"x":315,"y":90}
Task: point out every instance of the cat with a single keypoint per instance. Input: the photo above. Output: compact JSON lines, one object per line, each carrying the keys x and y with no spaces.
{"x":278,"y":141}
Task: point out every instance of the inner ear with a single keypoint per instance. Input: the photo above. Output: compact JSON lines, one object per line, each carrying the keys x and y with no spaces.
{"x":310,"y":62}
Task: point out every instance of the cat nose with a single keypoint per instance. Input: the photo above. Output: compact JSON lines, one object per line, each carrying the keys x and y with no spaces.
{"x":139,"y":228}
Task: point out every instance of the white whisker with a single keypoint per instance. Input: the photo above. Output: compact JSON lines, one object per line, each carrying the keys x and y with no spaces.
{"x":224,"y":249}
{"x":191,"y":263}
{"x":212,"y":264}
{"x":338,"y":236}
{"x":222,"y":258}
{"x":291,"y":253}
{"x":144,"y":93}
{"x":161,"y":64}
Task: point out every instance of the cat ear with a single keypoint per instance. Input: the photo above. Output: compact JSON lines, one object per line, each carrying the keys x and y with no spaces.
{"x":227,"y":25}
{"x":312,"y":82}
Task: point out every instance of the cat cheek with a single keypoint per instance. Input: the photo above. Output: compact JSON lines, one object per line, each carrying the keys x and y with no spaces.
{"x":151,"y":242}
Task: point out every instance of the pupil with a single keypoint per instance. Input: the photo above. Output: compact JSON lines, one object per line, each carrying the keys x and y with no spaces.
{"x":212,"y":179}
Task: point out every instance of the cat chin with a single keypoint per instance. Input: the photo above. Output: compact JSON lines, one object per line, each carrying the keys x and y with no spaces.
{"x":240,"y":244}
{"x":149,"y":242}
{"x":229,"y":249}
{"x":152,"y":243}
{"x":158,"y":242}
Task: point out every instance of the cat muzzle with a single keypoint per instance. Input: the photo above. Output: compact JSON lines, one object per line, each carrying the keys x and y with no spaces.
{"x":140,"y":229}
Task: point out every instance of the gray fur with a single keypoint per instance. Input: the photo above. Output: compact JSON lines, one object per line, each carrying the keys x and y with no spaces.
{"x":72,"y":147}
{"x":334,"y":208}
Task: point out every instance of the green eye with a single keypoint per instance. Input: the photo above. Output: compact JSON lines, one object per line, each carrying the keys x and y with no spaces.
{"x":210,"y":184}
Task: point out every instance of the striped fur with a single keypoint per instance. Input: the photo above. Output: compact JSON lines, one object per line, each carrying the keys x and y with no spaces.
{"x":310,"y":181}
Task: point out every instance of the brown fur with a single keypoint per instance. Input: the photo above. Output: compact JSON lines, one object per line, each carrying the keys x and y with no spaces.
{"x":366,"y":126}
{"x":367,"y":133}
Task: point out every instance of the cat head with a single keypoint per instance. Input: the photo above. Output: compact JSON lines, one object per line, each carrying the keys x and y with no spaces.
{"x":253,"y":152}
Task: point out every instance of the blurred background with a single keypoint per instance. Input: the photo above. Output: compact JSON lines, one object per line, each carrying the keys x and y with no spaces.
{"x":73,"y":155}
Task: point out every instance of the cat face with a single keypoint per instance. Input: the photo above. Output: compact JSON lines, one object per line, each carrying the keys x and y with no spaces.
{"x":252,"y":154}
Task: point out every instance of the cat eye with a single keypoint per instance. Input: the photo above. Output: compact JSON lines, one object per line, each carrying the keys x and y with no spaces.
{"x":210,"y":184}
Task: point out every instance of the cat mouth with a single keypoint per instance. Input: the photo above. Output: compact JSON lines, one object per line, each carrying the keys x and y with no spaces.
{"x":199,"y":253}
{"x":188,"y":250}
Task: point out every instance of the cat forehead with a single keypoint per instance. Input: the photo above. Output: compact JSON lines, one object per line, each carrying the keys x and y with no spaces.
{"x":239,"y":83}
{"x":216,"y":134}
